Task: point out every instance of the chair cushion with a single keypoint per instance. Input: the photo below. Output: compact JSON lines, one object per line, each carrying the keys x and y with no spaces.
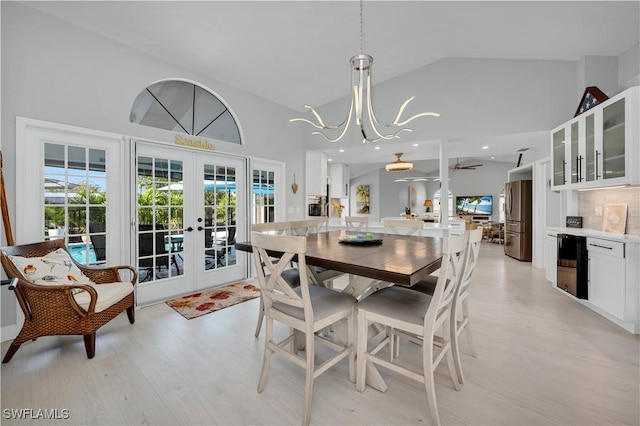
{"x":324,"y":301}
{"x":398,"y":302}
{"x":291,"y":276}
{"x":108,"y":294}
{"x":56,"y":268}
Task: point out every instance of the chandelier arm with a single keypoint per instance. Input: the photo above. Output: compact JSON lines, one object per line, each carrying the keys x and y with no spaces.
{"x":422,"y":114}
{"x":344,"y":130}
{"x":372,"y":117}
{"x":321,"y":124}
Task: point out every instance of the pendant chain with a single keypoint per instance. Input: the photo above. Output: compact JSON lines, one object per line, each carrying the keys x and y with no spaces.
{"x":361,"y":30}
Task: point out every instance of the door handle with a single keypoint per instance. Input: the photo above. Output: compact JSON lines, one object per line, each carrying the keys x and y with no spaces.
{"x":597,"y":155}
{"x":200,"y":228}
{"x":189,"y":229}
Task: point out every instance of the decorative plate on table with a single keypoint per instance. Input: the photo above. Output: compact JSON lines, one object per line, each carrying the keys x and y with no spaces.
{"x":361,"y":239}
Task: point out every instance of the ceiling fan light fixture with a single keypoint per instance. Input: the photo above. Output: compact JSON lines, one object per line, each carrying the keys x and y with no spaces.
{"x":399,"y":165}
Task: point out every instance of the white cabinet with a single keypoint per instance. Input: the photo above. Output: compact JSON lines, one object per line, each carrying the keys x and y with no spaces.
{"x":607,"y":275}
{"x":316,"y":173}
{"x":551,"y":256}
{"x":339,"y":174}
{"x":600,"y":146}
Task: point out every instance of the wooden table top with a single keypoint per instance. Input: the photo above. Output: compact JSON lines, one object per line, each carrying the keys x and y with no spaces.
{"x":400,"y":259}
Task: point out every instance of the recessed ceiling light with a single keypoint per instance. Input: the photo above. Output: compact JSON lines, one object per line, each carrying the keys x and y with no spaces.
{"x":377,"y":147}
{"x":493,"y":158}
{"x":485,"y":147}
{"x":415,"y":144}
{"x":342,"y":150}
{"x":330,"y":159}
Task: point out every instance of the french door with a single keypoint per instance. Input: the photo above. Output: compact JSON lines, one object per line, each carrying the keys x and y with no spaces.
{"x":190,"y":208}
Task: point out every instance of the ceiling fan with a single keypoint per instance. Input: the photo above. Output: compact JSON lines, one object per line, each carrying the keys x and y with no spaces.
{"x":459,"y":166}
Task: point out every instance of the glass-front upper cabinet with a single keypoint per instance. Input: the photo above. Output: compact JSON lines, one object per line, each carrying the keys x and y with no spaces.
{"x":613,"y":140}
{"x":601,"y":147}
{"x":558,"y":145}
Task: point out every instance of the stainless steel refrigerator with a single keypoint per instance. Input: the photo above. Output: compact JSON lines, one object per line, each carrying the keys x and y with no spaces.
{"x":518,"y":214}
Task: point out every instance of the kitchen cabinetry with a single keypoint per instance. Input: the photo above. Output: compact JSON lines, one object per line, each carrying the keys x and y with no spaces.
{"x":316,"y":173}
{"x":600,"y":146}
{"x":551,"y":255}
{"x":607,"y":276}
{"x":613,"y":276}
{"x":339,"y":174}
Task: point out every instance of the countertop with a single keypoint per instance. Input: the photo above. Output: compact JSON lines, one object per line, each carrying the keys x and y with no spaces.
{"x":625,"y":238}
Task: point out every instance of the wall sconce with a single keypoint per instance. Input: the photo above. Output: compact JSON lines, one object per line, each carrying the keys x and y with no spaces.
{"x":428,"y":204}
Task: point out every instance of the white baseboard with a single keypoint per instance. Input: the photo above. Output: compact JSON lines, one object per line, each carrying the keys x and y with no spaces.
{"x":9,"y":332}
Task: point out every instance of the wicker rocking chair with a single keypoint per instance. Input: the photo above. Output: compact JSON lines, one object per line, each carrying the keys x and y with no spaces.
{"x":68,"y":309}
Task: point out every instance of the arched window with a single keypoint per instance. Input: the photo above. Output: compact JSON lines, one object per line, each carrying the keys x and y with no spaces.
{"x":185,"y":107}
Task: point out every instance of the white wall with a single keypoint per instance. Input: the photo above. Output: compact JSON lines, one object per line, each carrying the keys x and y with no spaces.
{"x":55,"y":72}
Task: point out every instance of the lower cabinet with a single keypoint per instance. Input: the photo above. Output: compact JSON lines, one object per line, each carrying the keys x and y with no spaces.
{"x":607,"y":278}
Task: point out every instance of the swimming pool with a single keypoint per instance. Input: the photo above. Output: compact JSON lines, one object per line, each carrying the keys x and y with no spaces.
{"x":79,"y":252}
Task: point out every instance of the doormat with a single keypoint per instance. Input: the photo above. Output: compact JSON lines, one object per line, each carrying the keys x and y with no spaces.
{"x":205,"y":302}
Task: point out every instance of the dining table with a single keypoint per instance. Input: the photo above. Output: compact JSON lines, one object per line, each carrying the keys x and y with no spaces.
{"x":373,"y":261}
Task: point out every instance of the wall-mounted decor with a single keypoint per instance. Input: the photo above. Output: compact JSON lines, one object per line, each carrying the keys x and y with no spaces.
{"x":362,"y":199}
{"x":592,"y":96}
{"x":294,"y":185}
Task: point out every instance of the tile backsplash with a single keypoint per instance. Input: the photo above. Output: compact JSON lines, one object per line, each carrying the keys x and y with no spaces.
{"x":591,"y":207}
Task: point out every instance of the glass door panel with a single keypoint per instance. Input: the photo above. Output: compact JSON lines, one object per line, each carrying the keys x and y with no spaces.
{"x":159,"y":218}
{"x":613,"y":139}
{"x":590,"y":155}
{"x":559,"y":157}
{"x":75,"y":200}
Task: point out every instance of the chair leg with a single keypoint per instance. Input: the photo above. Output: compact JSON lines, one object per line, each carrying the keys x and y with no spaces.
{"x":90,"y":344}
{"x":260,"y":317}
{"x":268,"y":339}
{"x":467,"y":327}
{"x":352,"y":351}
{"x":308,"y":388}
{"x":361,"y":361}
{"x":131,"y":313}
{"x":12,"y":350}
{"x":455,"y":350}
{"x":427,"y":361}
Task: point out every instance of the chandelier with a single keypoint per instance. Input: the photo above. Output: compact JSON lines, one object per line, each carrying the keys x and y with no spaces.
{"x":361,"y":108}
{"x":399,"y":165}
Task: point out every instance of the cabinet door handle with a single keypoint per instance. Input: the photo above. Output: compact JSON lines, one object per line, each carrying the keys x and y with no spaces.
{"x":599,"y":246}
{"x":580,"y":168}
{"x":564,"y":167}
{"x":597,"y":155}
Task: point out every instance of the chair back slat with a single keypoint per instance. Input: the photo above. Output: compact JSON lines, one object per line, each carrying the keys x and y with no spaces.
{"x":276,"y":228}
{"x":303,"y":227}
{"x":439,"y":311}
{"x":470,"y":260}
{"x":403,"y":226}
{"x":272,"y":285}
{"x":357,"y":223}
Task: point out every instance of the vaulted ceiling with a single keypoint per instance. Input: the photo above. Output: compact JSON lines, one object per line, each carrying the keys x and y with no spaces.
{"x":274,"y":49}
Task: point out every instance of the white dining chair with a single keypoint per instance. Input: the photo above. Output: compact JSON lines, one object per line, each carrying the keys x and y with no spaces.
{"x":357,"y":223}
{"x":291,"y":274}
{"x":460,"y":318}
{"x":320,"y":276}
{"x":306,"y":310}
{"x":420,"y":315}
{"x":403,"y":226}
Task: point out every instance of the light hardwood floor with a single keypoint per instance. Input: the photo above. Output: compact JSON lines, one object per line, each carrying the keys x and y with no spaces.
{"x":543,"y":359}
